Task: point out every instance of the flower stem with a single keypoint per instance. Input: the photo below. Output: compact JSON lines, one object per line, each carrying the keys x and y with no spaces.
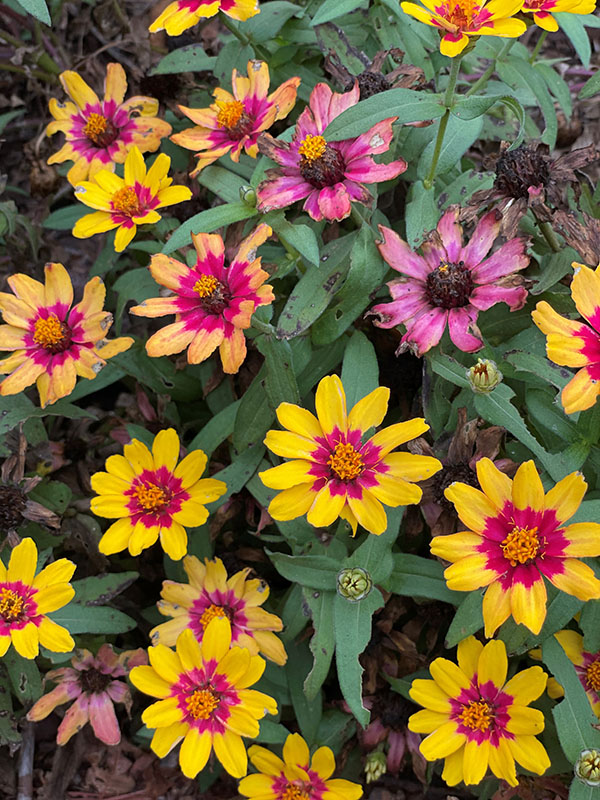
{"x":549,"y":235}
{"x":358,"y":218}
{"x":448,"y":101}
{"x":538,"y":47}
{"x":262,"y":327}
{"x":259,"y":51}
{"x":484,"y":78}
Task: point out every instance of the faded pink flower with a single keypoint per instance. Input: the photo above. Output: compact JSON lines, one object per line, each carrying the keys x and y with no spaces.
{"x":330,"y":175}
{"x":93,"y":682}
{"x":449,"y":284}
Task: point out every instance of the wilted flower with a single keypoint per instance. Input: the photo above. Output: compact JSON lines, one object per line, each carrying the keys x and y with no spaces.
{"x":183,"y":14}
{"x":484,"y":376}
{"x":388,"y":732}
{"x":99,"y":134}
{"x":93,"y":682}
{"x":543,"y":10}
{"x":371,"y":80}
{"x":234,"y":121}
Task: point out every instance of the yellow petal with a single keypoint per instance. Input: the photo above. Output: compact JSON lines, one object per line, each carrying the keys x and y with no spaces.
{"x":472,"y":506}
{"x":495,"y":484}
{"x":148,"y":681}
{"x":468,"y":653}
{"x":26,"y":640}
{"x":330,"y":403}
{"x":299,"y":420}
{"x":23,"y":562}
{"x":370,"y":411}
{"x":217,"y":639}
{"x":194,"y":752}
{"x":189,"y":651}
{"x":442,"y":742}
{"x":493,"y":664}
{"x":527,"y":489}
{"x":230,"y":751}
{"x":565,"y":498}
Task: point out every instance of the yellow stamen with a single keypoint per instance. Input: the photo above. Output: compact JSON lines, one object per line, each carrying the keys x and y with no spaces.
{"x":205,"y":285}
{"x":126,"y":201}
{"x":11,"y":605}
{"x":49,"y":332}
{"x":95,"y":126}
{"x":521,"y":545}
{"x":477,"y":715}
{"x":150,"y":496}
{"x":443,"y":268}
{"x":229,"y":113}
{"x":312,"y":147}
{"x":210,"y":613}
{"x":345,"y":462}
{"x":202,"y":703}
{"x":293,"y":792}
{"x":592,"y":675}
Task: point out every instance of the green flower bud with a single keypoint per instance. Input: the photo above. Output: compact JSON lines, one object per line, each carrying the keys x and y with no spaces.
{"x":375,"y":766}
{"x":587,"y":768}
{"x":354,"y":583}
{"x":248,"y":195}
{"x":484,"y":376}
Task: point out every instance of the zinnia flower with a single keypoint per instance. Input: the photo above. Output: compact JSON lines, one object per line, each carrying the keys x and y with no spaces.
{"x":475,"y":719}
{"x":93,"y":682}
{"x":587,"y":667}
{"x":330,"y":175}
{"x":209,"y":594}
{"x":53,"y":342}
{"x":543,"y":10}
{"x":334,"y":473}
{"x":234,"y":121}
{"x":297,"y":775}
{"x":99,"y":134}
{"x":125,"y":203}
{"x":459,"y":19}
{"x":183,"y":14}
{"x":575,"y":344}
{"x":516,"y":537}
{"x":204,"y":699}
{"x":26,"y":598}
{"x":450,"y":283}
{"x":213,"y":303}
{"x":153,"y":496}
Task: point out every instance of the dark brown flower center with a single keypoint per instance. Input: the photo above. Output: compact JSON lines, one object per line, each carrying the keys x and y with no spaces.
{"x":518,"y":170}
{"x":100,"y":131}
{"x":320,"y":164}
{"x":93,"y":681}
{"x":12,"y":505}
{"x":450,"y":285}
{"x":214,"y":295}
{"x":451,"y":473}
{"x":371,"y":83}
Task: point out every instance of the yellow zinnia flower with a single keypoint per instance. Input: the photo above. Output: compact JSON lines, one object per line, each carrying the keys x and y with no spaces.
{"x":125,"y":203}
{"x":334,"y":472}
{"x":26,"y":598}
{"x":211,"y":594}
{"x":204,"y":699}
{"x":543,"y":10}
{"x":474,"y":718}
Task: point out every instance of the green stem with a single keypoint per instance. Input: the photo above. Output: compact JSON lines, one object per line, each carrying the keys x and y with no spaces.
{"x":538,"y":47}
{"x":448,"y":101}
{"x":259,"y":51}
{"x":262,"y":327}
{"x":358,"y":218}
{"x":484,"y":78}
{"x":35,"y":73}
{"x":549,"y":235}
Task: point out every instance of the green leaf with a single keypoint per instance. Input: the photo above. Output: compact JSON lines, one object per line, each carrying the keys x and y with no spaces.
{"x":8,"y":116}
{"x":185,"y":59}
{"x":314,"y":572}
{"x":280,"y":381}
{"x":272,"y":18}
{"x":470,"y":107}
{"x":55,"y":495}
{"x":99,"y":589}
{"x":467,"y":620}
{"x":537,"y":365}
{"x":360,"y":370}
{"x":9,"y":730}
{"x":78,"y":618}
{"x":222,"y":182}
{"x":421,"y":215}
{"x":24,"y":676}
{"x":237,"y":474}
{"x":300,"y":237}
{"x":332,"y":9}
{"x":519,"y":73}
{"x":581,"y":791}
{"x":207,"y":222}
{"x":65,"y":218}
{"x":375,"y":553}
{"x":414,"y":576}
{"x":460,"y":135}
{"x":589,"y":623}
{"x":307,"y":712}
{"x":449,"y":369}
{"x":591,"y":87}
{"x":135,"y":284}
{"x":575,"y":30}
{"x":216,"y":430}
{"x":38,"y":9}
{"x":158,"y":374}
{"x":254,"y":415}
{"x":322,"y":644}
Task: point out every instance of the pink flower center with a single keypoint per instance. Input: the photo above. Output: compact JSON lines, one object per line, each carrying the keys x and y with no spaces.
{"x":592,"y":675}
{"x":126,"y":201}
{"x":12,"y":605}
{"x":320,"y":164}
{"x":52,"y":334}
{"x":150,"y":496}
{"x":521,"y":546}
{"x":100,"y":131}
{"x":345,"y":462}
{"x":450,"y":285}
{"x":202,"y":702}
{"x":477,"y":715}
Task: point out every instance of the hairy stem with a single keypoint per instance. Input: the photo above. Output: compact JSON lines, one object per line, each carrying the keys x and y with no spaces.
{"x":484,"y":78}
{"x":448,"y":101}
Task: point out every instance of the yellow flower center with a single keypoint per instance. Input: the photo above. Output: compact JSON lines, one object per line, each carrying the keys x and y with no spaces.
{"x":592,"y":675}
{"x":205,"y":285}
{"x":477,"y":715}
{"x":345,"y":462}
{"x":312,"y":147}
{"x":95,"y":126}
{"x":521,"y":546}
{"x":461,"y":12}
{"x":11,"y":605}
{"x":51,"y":334}
{"x":150,"y":496}
{"x":202,"y":703}
{"x":293,"y":792}
{"x":229,"y":113}
{"x":210,"y":613}
{"x":126,"y":201}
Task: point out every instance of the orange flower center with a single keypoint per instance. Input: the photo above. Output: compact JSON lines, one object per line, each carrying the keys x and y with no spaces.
{"x":345,"y":462}
{"x":521,"y":546}
{"x":461,"y":13}
{"x":126,"y":201}
{"x":312,"y":147}
{"x":210,"y":613}
{"x":52,"y":334}
{"x":229,"y":113}
{"x":477,"y":715}
{"x":150,"y":496}
{"x":293,"y":792}
{"x":205,"y":285}
{"x":592,"y":675}
{"x":202,"y":703}
{"x":11,"y":605}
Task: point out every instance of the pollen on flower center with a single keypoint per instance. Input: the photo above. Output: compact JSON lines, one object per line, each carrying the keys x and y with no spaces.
{"x":150,"y":496}
{"x":126,"y":201}
{"x":210,"y":613}
{"x":345,"y":462}
{"x":312,"y":147}
{"x":592,"y":675}
{"x":202,"y":703}
{"x":477,"y":715}
{"x":293,"y":792}
{"x":320,"y":163}
{"x":52,"y":334}
{"x":233,"y":117}
{"x":461,"y":13}
{"x":450,"y":285}
{"x":521,"y":546}
{"x":206,"y":285}
{"x":100,"y":130}
{"x":11,"y":605}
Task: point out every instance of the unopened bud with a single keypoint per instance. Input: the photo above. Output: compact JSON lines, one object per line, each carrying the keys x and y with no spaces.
{"x":484,"y":376}
{"x":375,"y":766}
{"x":248,"y":195}
{"x":354,"y":584}
{"x":587,"y":768}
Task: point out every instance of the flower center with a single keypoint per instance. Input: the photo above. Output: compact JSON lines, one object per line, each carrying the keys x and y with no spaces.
{"x":345,"y":462}
{"x":126,"y":201}
{"x":320,"y":164}
{"x":592,"y":675}
{"x":150,"y":496}
{"x":521,"y":546}
{"x":12,"y":505}
{"x":12,"y":605}
{"x":52,"y":334}
{"x":477,"y":715}
{"x":231,"y":115}
{"x":214,"y":295}
{"x":461,"y":13}
{"x":202,"y":703}
{"x":206,"y":285}
{"x":450,"y":285}
{"x":210,"y":613}
{"x":519,"y":170}
{"x":93,"y":681}
{"x":100,"y":130}
{"x":372,"y":83}
{"x":293,"y":792}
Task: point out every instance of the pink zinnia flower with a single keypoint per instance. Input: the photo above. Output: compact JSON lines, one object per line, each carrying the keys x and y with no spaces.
{"x":330,"y":175}
{"x":93,"y":682}
{"x":449,"y":284}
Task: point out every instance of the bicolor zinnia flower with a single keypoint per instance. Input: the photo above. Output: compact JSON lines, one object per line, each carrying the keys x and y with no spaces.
{"x":575,"y":344}
{"x":153,"y":496}
{"x":26,"y":598}
{"x":450,"y":283}
{"x":234,"y":121}
{"x":183,"y":14}
{"x":476,"y":719}
{"x":204,"y":699}
{"x":457,"y":20}
{"x":93,"y":682}
{"x":99,"y":134}
{"x":543,"y":10}
{"x":212,"y":303}
{"x":330,"y":175}
{"x":210,"y":593}
{"x":125,"y":203}
{"x":296,"y":775}
{"x":587,"y":667}
{"x":334,"y":473}
{"x":53,"y":342}
{"x":516,"y":537}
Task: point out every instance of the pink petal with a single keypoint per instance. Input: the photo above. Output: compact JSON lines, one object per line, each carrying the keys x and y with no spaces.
{"x":484,"y":236}
{"x":375,"y":140}
{"x":106,"y":659}
{"x":396,"y":252}
{"x":311,"y":205}
{"x":451,"y":234}
{"x":341,"y":102}
{"x":60,"y":694}
{"x":366,"y":170}
{"x":281,"y":192}
{"x":74,"y":720}
{"x":374,"y":733}
{"x":397,"y":748}
{"x":318,"y":103}
{"x":334,"y":202}
{"x":277,"y":151}
{"x":118,"y":691}
{"x":359,"y":192}
{"x":485,"y":297}
{"x":511,"y":257}
{"x":409,"y":300}
{"x":306,"y":124}
{"x":426,"y":331}
{"x":460,"y":321}
{"x":103,"y":719}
